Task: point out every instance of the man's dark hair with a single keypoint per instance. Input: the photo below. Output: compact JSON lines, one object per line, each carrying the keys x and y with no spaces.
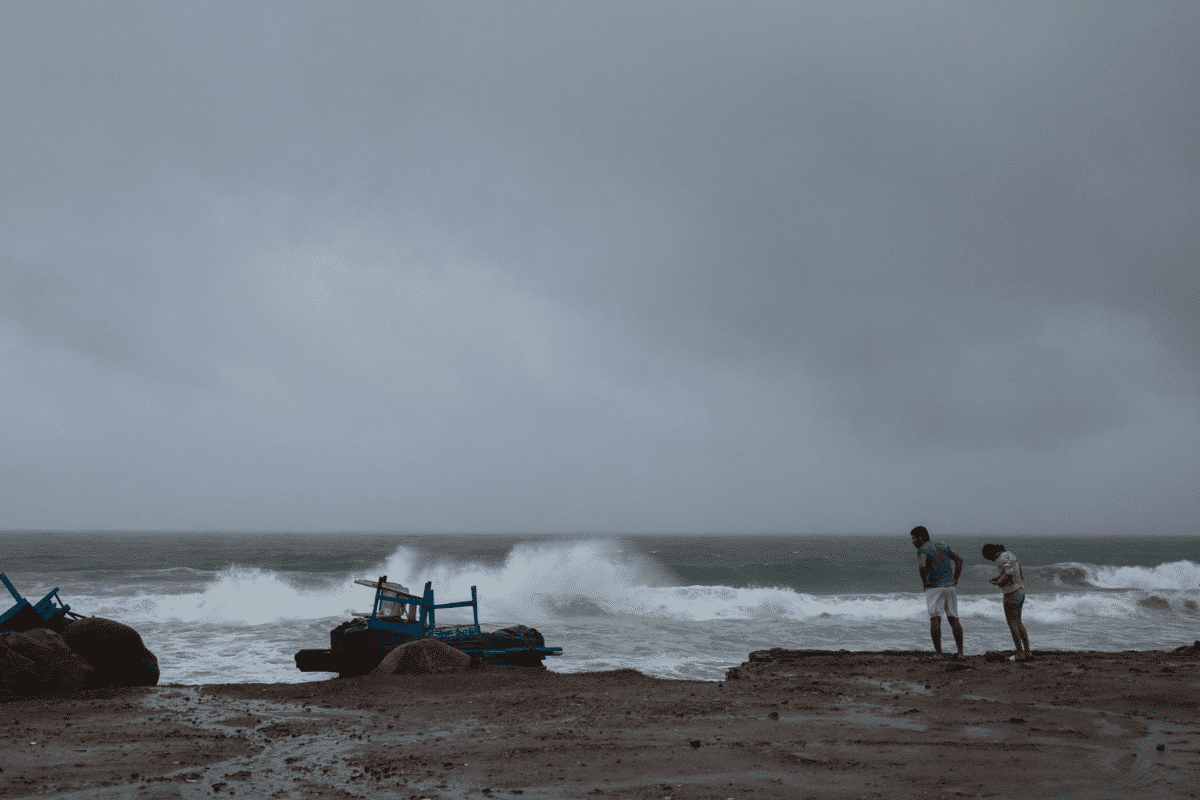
{"x":990,"y":551}
{"x":920,"y":533}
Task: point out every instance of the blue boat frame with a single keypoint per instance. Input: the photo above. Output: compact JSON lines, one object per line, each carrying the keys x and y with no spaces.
{"x":358,"y":646}
{"x":50,"y":610}
{"x":426,"y":623}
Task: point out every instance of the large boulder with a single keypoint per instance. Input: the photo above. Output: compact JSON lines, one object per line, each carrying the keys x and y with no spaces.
{"x":423,"y":657}
{"x":18,"y":675}
{"x":115,"y":650}
{"x":39,"y":661}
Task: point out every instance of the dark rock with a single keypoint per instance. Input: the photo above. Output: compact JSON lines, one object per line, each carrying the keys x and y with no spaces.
{"x":992,"y":655}
{"x":24,"y":619}
{"x":39,"y":661}
{"x":1155,"y":602}
{"x":423,"y":657}
{"x":1069,"y":575}
{"x":115,"y":650}
{"x":733,"y":674}
{"x":18,"y":675}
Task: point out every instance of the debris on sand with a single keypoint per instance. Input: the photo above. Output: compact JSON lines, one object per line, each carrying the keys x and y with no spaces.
{"x":45,"y":648}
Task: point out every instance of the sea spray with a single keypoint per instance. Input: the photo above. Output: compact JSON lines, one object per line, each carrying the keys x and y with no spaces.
{"x":1176,"y":575}
{"x":236,"y":608}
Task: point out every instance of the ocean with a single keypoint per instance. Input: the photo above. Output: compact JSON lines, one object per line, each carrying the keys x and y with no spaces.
{"x":235,"y":607}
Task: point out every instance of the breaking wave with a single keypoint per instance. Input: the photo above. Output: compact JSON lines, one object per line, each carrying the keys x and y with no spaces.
{"x":544,"y":583}
{"x":613,"y":606}
{"x":1176,"y":575}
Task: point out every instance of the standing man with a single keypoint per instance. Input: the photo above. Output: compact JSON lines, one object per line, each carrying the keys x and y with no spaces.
{"x":940,"y":568}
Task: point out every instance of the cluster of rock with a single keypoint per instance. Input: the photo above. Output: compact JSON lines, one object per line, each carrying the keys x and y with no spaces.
{"x":1157,"y":603}
{"x":90,"y":653}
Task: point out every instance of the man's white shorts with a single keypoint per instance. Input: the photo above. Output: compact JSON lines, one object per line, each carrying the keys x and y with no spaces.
{"x":942,"y":600}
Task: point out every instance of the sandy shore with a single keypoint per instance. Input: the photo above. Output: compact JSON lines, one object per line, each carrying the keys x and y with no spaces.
{"x":792,"y":724}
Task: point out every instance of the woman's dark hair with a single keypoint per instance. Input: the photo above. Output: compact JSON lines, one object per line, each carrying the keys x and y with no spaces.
{"x":990,"y":551}
{"x":920,"y":533}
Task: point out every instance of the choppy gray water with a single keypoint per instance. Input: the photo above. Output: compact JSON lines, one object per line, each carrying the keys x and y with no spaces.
{"x":235,"y":607}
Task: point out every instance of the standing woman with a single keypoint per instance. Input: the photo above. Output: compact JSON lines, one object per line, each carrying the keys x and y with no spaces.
{"x":1010,"y":578}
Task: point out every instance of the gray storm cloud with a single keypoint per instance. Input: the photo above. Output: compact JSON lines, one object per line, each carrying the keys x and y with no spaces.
{"x":600,"y":267}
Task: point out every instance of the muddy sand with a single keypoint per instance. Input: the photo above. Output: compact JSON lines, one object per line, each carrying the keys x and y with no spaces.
{"x":786,"y":724}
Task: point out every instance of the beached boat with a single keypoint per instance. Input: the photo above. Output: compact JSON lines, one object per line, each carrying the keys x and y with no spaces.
{"x":397,"y":617}
{"x":49,"y":612}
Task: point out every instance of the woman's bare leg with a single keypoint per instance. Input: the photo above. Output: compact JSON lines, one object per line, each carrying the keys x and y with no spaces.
{"x":1012,"y":615}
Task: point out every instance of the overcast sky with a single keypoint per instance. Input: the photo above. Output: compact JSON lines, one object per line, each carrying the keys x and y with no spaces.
{"x":600,"y":267}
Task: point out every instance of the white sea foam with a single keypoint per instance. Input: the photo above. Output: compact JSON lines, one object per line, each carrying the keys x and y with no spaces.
{"x":1178,"y":575}
{"x":609,"y":608}
{"x":546,"y":582}
{"x":237,"y":596}
{"x":596,"y":569}
{"x":513,"y":590}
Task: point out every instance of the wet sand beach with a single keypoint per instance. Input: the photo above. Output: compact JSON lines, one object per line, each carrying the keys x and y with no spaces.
{"x":785,"y":724}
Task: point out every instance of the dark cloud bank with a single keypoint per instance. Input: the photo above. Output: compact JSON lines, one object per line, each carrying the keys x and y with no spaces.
{"x":600,"y":267}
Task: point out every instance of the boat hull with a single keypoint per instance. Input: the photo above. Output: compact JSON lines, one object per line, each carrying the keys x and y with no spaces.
{"x":356,"y":648}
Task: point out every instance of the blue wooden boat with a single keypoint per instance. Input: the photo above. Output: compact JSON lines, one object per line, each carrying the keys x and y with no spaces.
{"x":49,"y":612}
{"x":397,"y":617}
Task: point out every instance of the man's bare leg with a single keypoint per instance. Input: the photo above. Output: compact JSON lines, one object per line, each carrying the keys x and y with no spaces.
{"x":956,"y":629}
{"x":935,"y":632}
